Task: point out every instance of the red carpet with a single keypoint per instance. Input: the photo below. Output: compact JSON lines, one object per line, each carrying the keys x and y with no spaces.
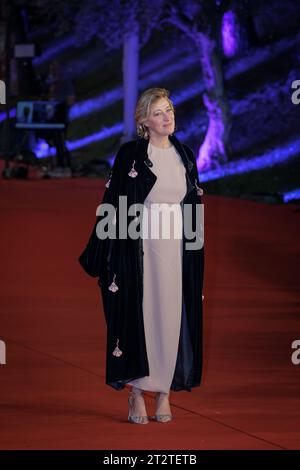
{"x":53,"y":394}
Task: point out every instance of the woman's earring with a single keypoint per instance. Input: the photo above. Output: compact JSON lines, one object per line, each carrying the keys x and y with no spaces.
{"x":145,"y":132}
{"x":140,"y":130}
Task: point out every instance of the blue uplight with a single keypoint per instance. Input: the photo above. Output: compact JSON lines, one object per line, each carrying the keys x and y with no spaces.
{"x":291,"y":195}
{"x":51,"y":52}
{"x":274,"y":157}
{"x":12,"y":114}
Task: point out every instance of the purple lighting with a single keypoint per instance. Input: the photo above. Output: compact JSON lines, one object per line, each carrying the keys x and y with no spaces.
{"x":96,"y":103}
{"x":42,"y":149}
{"x":104,"y":100}
{"x":229,"y":34}
{"x":12,"y":114}
{"x":291,"y":195}
{"x":105,"y":133}
{"x":52,"y":51}
{"x":253,"y":59}
{"x":279,"y":155}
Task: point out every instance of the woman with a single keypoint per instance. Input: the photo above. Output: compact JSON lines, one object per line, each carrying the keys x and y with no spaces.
{"x":151,"y":286}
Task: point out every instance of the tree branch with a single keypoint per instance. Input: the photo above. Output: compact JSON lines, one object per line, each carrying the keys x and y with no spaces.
{"x":175,"y":17}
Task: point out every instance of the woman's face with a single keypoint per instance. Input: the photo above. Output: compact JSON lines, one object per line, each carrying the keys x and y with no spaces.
{"x":161,"y":120}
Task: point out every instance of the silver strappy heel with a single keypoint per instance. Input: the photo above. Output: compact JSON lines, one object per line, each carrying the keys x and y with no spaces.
{"x":162,"y":418}
{"x":131,"y":402}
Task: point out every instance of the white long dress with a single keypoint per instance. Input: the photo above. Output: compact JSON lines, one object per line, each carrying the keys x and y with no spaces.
{"x":162,"y":299}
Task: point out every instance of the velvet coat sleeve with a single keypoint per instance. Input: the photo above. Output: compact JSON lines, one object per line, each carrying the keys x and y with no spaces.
{"x":196,"y":182}
{"x":94,"y":256}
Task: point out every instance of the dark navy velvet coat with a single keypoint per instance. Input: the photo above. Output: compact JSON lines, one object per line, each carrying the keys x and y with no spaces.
{"x":121,"y":261}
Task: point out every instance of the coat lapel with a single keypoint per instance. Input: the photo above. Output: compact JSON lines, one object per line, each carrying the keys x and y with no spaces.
{"x":147,"y":177}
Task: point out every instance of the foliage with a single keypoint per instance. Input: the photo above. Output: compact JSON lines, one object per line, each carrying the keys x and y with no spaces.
{"x":108,"y":20}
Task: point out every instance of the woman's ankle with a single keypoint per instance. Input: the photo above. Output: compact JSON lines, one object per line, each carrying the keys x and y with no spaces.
{"x":162,"y":395}
{"x":136,"y":391}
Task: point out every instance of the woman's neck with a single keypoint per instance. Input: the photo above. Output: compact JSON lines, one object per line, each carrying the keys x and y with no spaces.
{"x":162,"y":142}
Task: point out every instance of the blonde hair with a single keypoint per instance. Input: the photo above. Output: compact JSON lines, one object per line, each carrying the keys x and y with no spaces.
{"x":142,"y":111}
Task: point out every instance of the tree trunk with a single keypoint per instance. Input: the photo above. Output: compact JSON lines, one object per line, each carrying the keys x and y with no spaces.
{"x":213,"y":151}
{"x":130,"y":82}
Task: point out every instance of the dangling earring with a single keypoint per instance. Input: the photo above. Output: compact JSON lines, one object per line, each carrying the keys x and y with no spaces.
{"x":144,"y":132}
{"x":140,"y":130}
